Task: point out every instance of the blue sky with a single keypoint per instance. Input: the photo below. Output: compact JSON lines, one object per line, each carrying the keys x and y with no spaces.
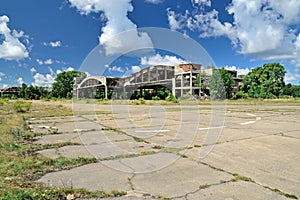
{"x":40,"y":39}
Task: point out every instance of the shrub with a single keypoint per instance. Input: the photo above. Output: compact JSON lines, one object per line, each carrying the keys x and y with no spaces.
{"x":156,"y":98}
{"x":171,"y":98}
{"x":240,"y":95}
{"x":21,"y":106}
{"x":142,"y":100}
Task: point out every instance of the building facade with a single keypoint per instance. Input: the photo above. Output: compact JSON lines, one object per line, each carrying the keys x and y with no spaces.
{"x":183,"y":79}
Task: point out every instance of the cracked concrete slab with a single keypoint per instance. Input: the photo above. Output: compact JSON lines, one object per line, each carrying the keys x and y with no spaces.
{"x":235,"y":191}
{"x":92,"y":177}
{"x":251,"y":150}
{"x":58,"y":138}
{"x":270,"y":160}
{"x":181,"y":177}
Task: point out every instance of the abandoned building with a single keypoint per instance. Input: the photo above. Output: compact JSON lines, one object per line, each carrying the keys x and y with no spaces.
{"x":180,"y":79}
{"x":9,"y":91}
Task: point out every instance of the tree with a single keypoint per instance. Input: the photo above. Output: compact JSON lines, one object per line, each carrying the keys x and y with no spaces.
{"x":63,"y":85}
{"x":21,"y":93}
{"x":265,"y":82}
{"x":228,"y":81}
{"x":32,"y":92}
{"x":221,"y":84}
{"x":216,"y":87}
{"x":291,"y":90}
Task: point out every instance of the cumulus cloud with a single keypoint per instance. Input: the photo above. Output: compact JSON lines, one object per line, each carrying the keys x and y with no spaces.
{"x":32,"y":70}
{"x":264,"y":29}
{"x":45,"y":62}
{"x":46,"y":80}
{"x":20,"y":80}
{"x":1,"y":75}
{"x":161,"y":60}
{"x":43,"y":80}
{"x":291,"y":77}
{"x":240,"y":71}
{"x":64,"y":70}
{"x":135,"y":69}
{"x":48,"y":61}
{"x":40,"y":62}
{"x":201,"y":2}
{"x":11,"y":48}
{"x":115,"y":69}
{"x":154,"y":1}
{"x":120,"y":34}
{"x":174,"y":21}
{"x":4,"y":86}
{"x":53,"y":44}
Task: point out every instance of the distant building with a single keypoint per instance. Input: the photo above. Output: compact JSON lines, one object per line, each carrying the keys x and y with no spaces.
{"x":9,"y":91}
{"x":180,"y":79}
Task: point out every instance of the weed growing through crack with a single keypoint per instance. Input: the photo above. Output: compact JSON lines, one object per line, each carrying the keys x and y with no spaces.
{"x":20,"y":166}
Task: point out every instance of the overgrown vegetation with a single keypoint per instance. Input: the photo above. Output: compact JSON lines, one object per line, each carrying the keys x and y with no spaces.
{"x":21,"y":106}
{"x":265,"y":82}
{"x":20,"y":166}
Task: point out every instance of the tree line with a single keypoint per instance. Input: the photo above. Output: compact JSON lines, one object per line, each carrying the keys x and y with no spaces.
{"x":61,"y":88}
{"x":265,"y":81}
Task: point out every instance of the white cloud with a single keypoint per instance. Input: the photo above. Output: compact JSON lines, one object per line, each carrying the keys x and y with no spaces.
{"x":4,"y":86}
{"x":11,"y":48}
{"x":115,"y":69}
{"x":53,"y":44}
{"x":120,"y":34}
{"x":64,"y":70}
{"x":46,"y":80}
{"x":292,"y":77}
{"x":297,"y":42}
{"x":240,"y":71}
{"x":20,"y":80}
{"x":1,"y":75}
{"x":154,"y":1}
{"x":43,"y":80}
{"x":32,"y":70}
{"x":161,"y":60}
{"x":201,"y":2}
{"x":45,"y":62}
{"x":264,"y":29}
{"x":40,"y":62}
{"x":48,"y":61}
{"x":135,"y":69}
{"x":173,"y":22}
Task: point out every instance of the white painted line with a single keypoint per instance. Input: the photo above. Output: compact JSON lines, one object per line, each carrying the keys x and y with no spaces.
{"x":44,"y":127}
{"x":152,"y":131}
{"x":202,"y":129}
{"x":252,"y":115}
{"x":258,"y":118}
{"x":246,"y":123}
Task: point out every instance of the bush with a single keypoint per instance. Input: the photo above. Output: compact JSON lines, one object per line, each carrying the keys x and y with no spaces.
{"x":142,"y":100}
{"x":156,"y":98}
{"x":240,"y":95}
{"x":21,"y":106}
{"x":171,"y":98}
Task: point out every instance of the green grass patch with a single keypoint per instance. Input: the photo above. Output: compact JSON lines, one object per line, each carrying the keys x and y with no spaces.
{"x":238,"y":177}
{"x":21,"y":106}
{"x":20,"y":166}
{"x":290,"y":196}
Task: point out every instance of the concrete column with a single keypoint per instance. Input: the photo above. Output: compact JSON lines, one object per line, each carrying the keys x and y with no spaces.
{"x":105,"y":91}
{"x":191,"y":83}
{"x":165,"y":73}
{"x":149,"y":75}
{"x":173,"y":86}
{"x":181,"y":85}
{"x":124,"y":92}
